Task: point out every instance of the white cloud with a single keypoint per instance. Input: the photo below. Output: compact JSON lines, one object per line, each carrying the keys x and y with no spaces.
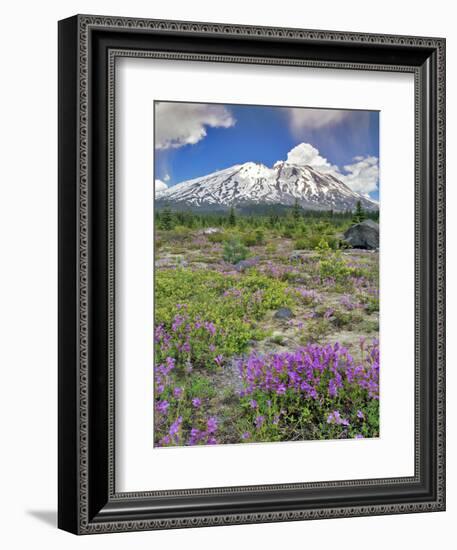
{"x":313,"y":119}
{"x":179,"y":124}
{"x":166,"y":177}
{"x":160,"y":185}
{"x":305,"y":154}
{"x":361,"y":176}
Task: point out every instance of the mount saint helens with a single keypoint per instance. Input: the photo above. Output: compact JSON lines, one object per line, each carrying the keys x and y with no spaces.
{"x":252,"y":184}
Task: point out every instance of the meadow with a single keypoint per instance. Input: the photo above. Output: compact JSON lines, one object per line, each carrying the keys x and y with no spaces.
{"x":266,"y":328}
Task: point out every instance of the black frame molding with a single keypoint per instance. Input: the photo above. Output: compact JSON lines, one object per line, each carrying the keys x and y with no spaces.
{"x":88,"y":48}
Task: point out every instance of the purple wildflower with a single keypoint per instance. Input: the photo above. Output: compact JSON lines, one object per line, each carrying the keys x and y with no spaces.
{"x":347,"y":302}
{"x":329,"y":313}
{"x":210,"y":328}
{"x":186,"y":347}
{"x":174,"y":428}
{"x":170,"y":363}
{"x":162,"y":406}
{"x":177,"y":322}
{"x":335,"y":418}
{"x":259,"y":421}
{"x":195,"y":436}
{"x":166,"y":440}
{"x":177,"y":392}
{"x":332,"y":388}
{"x":211,"y":425}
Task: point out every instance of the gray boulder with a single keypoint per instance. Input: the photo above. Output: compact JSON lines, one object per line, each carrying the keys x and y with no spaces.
{"x":209,"y":231}
{"x":363,"y":235}
{"x":242,"y":265}
{"x":297,"y":256}
{"x":284,"y":314}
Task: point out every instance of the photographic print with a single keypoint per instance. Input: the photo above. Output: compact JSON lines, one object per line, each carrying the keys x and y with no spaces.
{"x":266,"y":279}
{"x":222,"y":247}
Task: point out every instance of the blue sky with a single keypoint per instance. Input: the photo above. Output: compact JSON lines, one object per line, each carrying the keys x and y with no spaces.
{"x":193,"y":140}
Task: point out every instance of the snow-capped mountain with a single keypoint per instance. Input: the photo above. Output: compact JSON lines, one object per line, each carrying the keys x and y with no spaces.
{"x":256,"y":184}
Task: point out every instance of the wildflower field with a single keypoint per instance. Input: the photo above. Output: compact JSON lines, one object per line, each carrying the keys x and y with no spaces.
{"x":266,"y":329}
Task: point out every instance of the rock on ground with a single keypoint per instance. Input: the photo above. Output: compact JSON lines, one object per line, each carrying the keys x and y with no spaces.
{"x":209,"y":231}
{"x":363,"y":235}
{"x":242,"y":265}
{"x":284,"y":314}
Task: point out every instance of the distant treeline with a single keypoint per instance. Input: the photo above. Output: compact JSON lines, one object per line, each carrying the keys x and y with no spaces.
{"x":273,"y":216}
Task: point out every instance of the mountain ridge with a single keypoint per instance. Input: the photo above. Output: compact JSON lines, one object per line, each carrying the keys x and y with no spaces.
{"x":254,"y":183}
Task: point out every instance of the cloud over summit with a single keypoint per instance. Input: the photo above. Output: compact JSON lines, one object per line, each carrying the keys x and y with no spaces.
{"x":306,"y":154}
{"x":361,"y":176}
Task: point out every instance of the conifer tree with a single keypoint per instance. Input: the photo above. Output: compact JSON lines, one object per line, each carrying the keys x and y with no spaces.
{"x":167,"y":220}
{"x":359,"y":214}
{"x":273,"y":220}
{"x":232,"y":217}
{"x":190,"y":219}
{"x":296,"y":210}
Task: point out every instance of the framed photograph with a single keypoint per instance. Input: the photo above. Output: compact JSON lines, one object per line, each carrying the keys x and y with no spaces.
{"x":251,"y":274}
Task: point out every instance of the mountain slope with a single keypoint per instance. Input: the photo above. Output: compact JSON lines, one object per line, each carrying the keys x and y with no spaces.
{"x":256,"y":184}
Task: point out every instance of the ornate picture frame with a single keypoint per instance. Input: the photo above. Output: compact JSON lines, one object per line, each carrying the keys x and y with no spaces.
{"x":88,"y":48}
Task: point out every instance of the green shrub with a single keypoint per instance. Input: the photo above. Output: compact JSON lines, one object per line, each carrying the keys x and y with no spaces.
{"x":316,"y":329}
{"x":271,"y":249}
{"x":332,"y":241}
{"x":332,"y":265}
{"x":310,"y":241}
{"x":179,"y":233}
{"x":288,"y":231}
{"x":348,"y":319}
{"x":264,"y":293}
{"x":217,"y":237}
{"x":200,"y":386}
{"x":343,"y":245}
{"x":249,"y":239}
{"x":301,"y":244}
{"x":371,"y":302}
{"x":234,"y":251}
{"x":259,"y":236}
{"x":368,"y":325}
{"x":253,"y":238}
{"x":277,"y":339}
{"x":314,"y":240}
{"x":302,"y":229}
